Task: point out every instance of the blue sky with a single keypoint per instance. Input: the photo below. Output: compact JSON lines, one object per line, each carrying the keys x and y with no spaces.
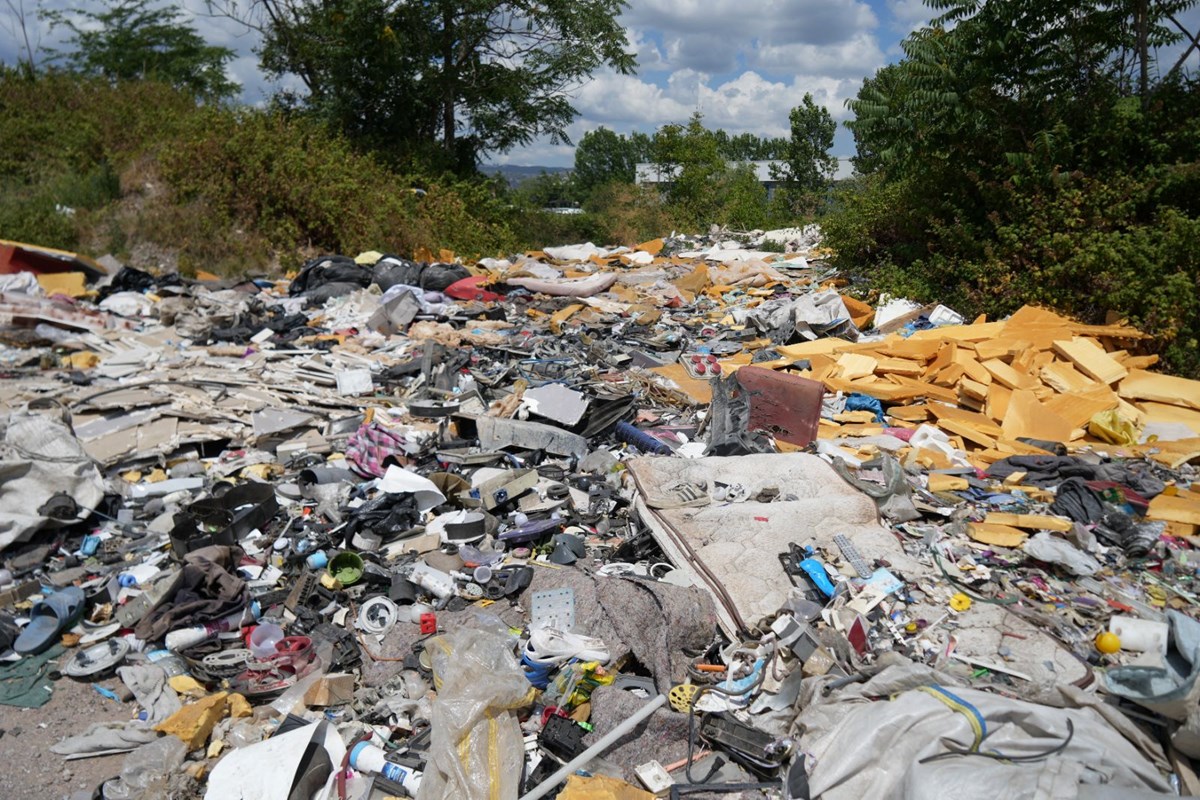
{"x":743,"y":63}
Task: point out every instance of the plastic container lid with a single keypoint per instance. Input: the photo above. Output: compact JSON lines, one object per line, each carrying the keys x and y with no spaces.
{"x":264,"y":638}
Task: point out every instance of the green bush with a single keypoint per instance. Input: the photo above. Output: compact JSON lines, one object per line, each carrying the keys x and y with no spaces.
{"x":1080,"y":245}
{"x":29,"y":216}
{"x":223,"y":189}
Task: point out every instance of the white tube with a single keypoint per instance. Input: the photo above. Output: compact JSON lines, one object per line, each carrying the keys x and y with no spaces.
{"x":606,"y":741}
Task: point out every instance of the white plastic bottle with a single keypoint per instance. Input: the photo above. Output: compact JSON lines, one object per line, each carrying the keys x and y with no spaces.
{"x":366,"y":757}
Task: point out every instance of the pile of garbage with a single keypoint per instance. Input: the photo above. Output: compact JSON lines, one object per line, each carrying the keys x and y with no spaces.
{"x":683,"y":519}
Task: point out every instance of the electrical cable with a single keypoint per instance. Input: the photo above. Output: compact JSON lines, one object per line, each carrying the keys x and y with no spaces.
{"x":1001,"y":757}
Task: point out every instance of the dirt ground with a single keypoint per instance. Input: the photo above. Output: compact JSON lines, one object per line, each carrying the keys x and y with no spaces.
{"x":29,"y":771}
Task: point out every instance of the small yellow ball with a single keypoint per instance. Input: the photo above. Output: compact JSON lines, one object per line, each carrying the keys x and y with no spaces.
{"x":1108,"y":643}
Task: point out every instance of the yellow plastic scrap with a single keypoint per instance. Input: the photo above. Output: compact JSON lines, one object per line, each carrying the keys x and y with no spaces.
{"x":194,"y":723}
{"x":368,"y":259}
{"x":239,"y":706}
{"x":562,"y":316}
{"x":1112,"y":427}
{"x":186,"y":684}
{"x":263,"y":471}
{"x":601,"y":787}
{"x":960,"y":602}
{"x":82,"y":360}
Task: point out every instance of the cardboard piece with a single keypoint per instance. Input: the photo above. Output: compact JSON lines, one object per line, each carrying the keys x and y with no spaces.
{"x":336,"y":689}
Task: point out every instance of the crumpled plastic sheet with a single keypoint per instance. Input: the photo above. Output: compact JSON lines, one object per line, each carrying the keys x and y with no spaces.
{"x":857,"y":748}
{"x":476,"y":751}
{"x":40,"y":457}
{"x":1173,"y":689}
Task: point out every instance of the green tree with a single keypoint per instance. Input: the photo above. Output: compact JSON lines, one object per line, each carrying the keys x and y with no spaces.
{"x":688,"y":159}
{"x":139,"y":39}
{"x":1033,"y":151}
{"x":807,"y":167}
{"x":548,"y":190}
{"x":603,"y":156}
{"x":749,"y":147}
{"x":743,"y":199}
{"x":454,"y":78}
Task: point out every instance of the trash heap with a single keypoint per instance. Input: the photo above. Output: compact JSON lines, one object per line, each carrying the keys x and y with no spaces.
{"x":685,"y":519}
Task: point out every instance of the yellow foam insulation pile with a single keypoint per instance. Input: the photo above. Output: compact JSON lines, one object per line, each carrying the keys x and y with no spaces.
{"x":987,"y":385}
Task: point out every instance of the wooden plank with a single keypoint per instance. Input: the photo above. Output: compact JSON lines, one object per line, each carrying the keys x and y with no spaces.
{"x":998,"y":398}
{"x":1172,"y":454}
{"x":996,"y":535}
{"x":1033,"y":522}
{"x":898,"y":366}
{"x":973,"y":369}
{"x":941,"y":482}
{"x":1079,"y":407}
{"x":1174,"y":509}
{"x":861,"y":314}
{"x":1161,"y":412}
{"x":973,"y":390}
{"x":971,"y":418}
{"x":1013,"y":447}
{"x":967,"y":432}
{"x":1140,"y":362}
{"x":813,"y":348}
{"x":944,"y":358}
{"x":1006,"y":376}
{"x":962,"y":333}
{"x":1040,"y":360}
{"x":922,"y":351}
{"x":926,"y":389}
{"x":1023,"y":361}
{"x":1028,"y":418}
{"x":918,"y":413}
{"x":856,"y":365}
{"x":950,"y":376}
{"x":1090,"y":359}
{"x":1143,"y":385}
{"x":1063,"y":377}
{"x":1001,"y":348}
{"x":1112,"y":331}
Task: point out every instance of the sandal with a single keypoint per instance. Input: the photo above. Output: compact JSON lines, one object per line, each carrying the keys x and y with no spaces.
{"x":50,"y":617}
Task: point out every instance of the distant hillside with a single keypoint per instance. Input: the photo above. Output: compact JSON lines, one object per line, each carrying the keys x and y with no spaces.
{"x":515,"y":175}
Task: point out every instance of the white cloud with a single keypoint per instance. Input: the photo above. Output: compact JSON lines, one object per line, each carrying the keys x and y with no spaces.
{"x":715,"y":36}
{"x":738,"y":21}
{"x":626,"y":100}
{"x":649,"y":57}
{"x":856,"y":57}
{"x":908,"y":15}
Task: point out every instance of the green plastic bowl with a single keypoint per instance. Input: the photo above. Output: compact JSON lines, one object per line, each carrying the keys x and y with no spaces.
{"x":347,"y":568}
